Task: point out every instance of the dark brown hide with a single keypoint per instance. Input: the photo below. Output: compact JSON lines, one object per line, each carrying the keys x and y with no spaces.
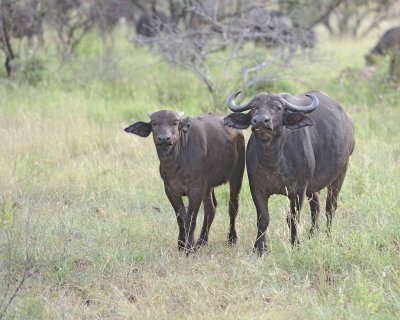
{"x":389,"y":41}
{"x":295,"y":154}
{"x":196,"y":154}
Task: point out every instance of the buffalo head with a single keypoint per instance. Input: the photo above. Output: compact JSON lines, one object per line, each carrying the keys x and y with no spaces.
{"x":269,"y":113}
{"x":166,"y":127}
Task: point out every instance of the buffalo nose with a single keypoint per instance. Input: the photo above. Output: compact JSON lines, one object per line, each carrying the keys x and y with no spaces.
{"x":164,"y":138}
{"x":260,"y":120}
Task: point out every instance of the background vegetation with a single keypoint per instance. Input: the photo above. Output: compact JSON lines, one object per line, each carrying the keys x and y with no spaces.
{"x":86,"y":228}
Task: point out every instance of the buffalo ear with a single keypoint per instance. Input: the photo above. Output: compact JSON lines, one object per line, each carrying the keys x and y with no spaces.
{"x":140,"y":128}
{"x":296,"y":120}
{"x":184,"y":124}
{"x":237,"y":120}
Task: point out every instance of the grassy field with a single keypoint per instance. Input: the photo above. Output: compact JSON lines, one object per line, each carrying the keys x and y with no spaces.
{"x":87,"y":202}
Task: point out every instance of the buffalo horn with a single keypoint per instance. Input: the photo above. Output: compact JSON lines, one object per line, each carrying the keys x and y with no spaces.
{"x":233,"y":106}
{"x":306,"y":109}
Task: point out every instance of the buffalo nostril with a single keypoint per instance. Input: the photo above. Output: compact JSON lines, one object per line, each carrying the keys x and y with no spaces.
{"x":254,"y":121}
{"x":164,"y":138}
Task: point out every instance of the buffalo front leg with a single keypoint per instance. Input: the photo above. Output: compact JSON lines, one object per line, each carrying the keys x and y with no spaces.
{"x":293,"y":218}
{"x":261,"y":203}
{"x":179,"y":207}
{"x":189,"y":221}
{"x":210,"y":205}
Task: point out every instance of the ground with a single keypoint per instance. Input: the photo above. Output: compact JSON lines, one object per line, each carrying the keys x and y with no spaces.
{"x":86,"y":200}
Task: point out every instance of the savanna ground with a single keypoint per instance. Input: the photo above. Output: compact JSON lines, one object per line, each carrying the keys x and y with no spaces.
{"x":87,"y":202}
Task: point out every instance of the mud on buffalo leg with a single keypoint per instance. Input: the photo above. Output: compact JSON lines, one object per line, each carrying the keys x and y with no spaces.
{"x":209,"y":214}
{"x":293,"y":217}
{"x":333,"y":194}
{"x":262,"y":219}
{"x":179,"y":207}
{"x":313,"y":200}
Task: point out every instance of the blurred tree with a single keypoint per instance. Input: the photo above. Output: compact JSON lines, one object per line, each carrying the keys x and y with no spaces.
{"x":208,"y":27}
{"x":18,"y":20}
{"x":5,"y":38}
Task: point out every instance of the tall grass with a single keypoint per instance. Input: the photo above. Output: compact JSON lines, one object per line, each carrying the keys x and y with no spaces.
{"x":105,"y":235}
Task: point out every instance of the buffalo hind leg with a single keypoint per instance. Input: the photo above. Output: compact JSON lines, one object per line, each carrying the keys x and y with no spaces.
{"x":210,"y":204}
{"x":293,"y":217}
{"x":233,"y":210}
{"x":235,"y":184}
{"x":333,"y":194}
{"x":313,"y":199}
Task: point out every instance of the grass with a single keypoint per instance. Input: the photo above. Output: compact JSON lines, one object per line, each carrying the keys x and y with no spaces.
{"x":105,"y":235}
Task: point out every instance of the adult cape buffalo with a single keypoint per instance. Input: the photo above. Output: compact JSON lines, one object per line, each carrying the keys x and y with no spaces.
{"x":196,"y":155}
{"x":390,"y":41}
{"x":294,"y":154}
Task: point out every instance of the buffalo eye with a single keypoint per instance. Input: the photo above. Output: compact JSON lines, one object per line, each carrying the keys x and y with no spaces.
{"x":176,"y":123}
{"x":153,"y":124}
{"x":278,"y":108}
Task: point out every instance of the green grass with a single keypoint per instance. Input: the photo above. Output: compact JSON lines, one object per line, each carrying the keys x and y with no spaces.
{"x":104,"y":234}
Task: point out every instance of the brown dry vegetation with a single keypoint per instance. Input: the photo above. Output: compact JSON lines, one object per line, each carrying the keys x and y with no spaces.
{"x":104,"y":235}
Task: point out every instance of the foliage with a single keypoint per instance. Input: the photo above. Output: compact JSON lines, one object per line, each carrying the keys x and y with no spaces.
{"x":104,"y":233}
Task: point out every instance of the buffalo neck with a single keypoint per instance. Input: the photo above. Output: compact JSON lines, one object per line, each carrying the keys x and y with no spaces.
{"x":270,"y":153}
{"x":177,"y":153}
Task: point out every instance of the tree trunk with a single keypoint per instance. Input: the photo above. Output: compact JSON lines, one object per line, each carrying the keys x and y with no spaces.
{"x":5,"y":38}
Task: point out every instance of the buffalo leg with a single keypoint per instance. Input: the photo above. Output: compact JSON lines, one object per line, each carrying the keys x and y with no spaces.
{"x":261,"y":204}
{"x":313,"y":199}
{"x":293,"y":218}
{"x":209,"y":214}
{"x":235,"y":186}
{"x":195,"y":198}
{"x":333,"y":194}
{"x":179,"y":207}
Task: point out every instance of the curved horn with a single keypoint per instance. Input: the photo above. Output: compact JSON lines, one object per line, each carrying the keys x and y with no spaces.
{"x":233,"y":106}
{"x":306,"y":109}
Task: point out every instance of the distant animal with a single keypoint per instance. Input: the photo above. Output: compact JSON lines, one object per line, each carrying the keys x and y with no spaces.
{"x":270,"y":27}
{"x":150,"y":24}
{"x":274,"y":28}
{"x":296,"y":149}
{"x":196,"y":154}
{"x":390,"y":41}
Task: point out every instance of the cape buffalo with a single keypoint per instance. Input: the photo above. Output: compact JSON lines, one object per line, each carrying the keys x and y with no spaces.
{"x":389,"y":41}
{"x":196,"y":155}
{"x":294,"y":154}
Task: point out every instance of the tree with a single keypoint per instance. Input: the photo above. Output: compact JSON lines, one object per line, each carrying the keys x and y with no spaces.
{"x":219,"y":39}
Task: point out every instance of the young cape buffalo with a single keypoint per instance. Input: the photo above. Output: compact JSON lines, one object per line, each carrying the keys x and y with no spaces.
{"x":294,"y":154}
{"x":196,"y":155}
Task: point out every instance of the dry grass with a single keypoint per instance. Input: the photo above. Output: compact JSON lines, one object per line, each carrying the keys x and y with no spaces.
{"x":105,"y":234}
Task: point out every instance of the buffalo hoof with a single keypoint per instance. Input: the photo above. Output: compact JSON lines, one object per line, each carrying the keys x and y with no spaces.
{"x":232,"y":238}
{"x":200,"y":243}
{"x":294,"y":242}
{"x":313,"y":231}
{"x":181,"y":245}
{"x":189,"y":247}
{"x":260,"y":248}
